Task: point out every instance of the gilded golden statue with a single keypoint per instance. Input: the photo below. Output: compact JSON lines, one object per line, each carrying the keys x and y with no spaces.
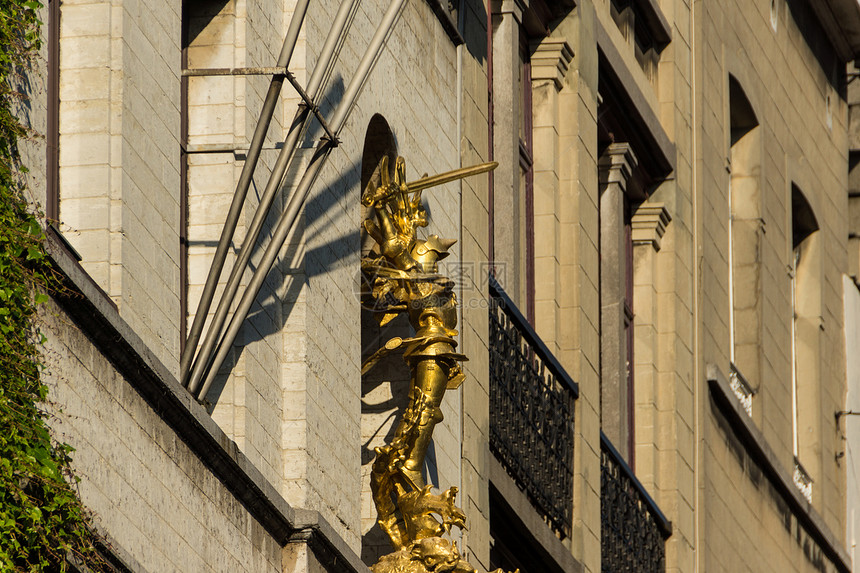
{"x":402,"y":276}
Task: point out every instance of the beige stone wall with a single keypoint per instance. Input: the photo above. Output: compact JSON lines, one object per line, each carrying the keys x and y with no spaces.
{"x":294,"y":400}
{"x":804,"y":142}
{"x":119,"y":175}
{"x":150,"y":176}
{"x":143,"y":485}
{"x":473,"y":148}
{"x":566,"y":251}
{"x":292,"y":403}
{"x":664,"y":303}
{"x":579,"y":307}
{"x":746,"y":522}
{"x":852,"y":404}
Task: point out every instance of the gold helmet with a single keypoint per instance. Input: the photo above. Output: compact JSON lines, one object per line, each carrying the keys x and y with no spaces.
{"x":426,"y":253}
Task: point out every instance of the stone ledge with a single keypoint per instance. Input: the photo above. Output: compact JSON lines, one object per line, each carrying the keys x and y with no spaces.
{"x":98,"y":318}
{"x":759,"y":450}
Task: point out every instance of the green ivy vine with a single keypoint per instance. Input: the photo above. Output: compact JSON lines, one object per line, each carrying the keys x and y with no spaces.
{"x":43,"y":526}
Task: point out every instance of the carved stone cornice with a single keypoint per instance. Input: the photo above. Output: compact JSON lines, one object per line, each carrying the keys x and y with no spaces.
{"x":550,"y":60}
{"x":648,"y":224}
{"x":616,"y":165}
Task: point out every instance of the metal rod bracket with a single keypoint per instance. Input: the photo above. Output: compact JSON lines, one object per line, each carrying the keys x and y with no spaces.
{"x":309,"y":104}
{"x":253,"y":71}
{"x":330,"y":141}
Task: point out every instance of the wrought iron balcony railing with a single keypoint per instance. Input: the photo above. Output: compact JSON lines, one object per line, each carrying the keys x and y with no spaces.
{"x":531,"y":412}
{"x":633,"y":529}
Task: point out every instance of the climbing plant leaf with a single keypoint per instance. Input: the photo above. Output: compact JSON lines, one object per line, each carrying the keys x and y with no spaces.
{"x":43,"y":525}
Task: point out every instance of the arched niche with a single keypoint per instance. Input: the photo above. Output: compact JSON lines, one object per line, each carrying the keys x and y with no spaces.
{"x":379,"y":142}
{"x":806,"y":273}
{"x":746,"y":235}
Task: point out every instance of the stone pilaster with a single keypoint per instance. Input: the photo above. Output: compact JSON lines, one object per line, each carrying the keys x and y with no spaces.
{"x":614,"y":170}
{"x":648,"y":223}
{"x":550,"y":61}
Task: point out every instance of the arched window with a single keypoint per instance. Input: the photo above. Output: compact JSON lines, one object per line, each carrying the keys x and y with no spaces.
{"x":745,"y":237}
{"x":805,"y":275}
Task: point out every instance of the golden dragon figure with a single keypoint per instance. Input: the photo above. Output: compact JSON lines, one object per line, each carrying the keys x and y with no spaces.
{"x":402,"y":276}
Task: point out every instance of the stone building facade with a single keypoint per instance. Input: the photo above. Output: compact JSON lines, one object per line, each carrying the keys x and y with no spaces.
{"x":654,"y":367}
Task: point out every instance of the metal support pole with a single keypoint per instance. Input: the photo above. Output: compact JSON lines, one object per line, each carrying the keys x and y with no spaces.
{"x":241,"y":191}
{"x":845,"y":413}
{"x":272,"y":187}
{"x":297,"y":200}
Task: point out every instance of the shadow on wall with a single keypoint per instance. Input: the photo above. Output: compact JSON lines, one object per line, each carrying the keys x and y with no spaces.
{"x":204,"y":11}
{"x":271,"y":310}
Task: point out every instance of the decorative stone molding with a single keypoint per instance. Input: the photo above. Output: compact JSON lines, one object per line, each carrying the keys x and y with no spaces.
{"x":802,"y":480}
{"x":512,"y":7}
{"x":616,"y":165}
{"x":760,"y":452}
{"x":649,"y":223}
{"x":550,"y":61}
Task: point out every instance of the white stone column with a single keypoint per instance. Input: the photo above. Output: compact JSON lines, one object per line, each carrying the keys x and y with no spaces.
{"x":615,"y":168}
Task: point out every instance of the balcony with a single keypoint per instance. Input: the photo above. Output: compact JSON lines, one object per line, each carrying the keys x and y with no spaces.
{"x":531,"y":434}
{"x":531,"y":413}
{"x":633,"y":530}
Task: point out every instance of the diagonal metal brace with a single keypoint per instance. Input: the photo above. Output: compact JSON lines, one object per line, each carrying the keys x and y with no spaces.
{"x":270,"y":71}
{"x":308,"y":103}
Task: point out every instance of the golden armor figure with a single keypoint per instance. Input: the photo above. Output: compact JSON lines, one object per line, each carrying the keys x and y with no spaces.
{"x":402,"y":276}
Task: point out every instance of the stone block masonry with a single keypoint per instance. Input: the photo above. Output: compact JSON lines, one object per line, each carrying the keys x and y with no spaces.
{"x":119,"y":179}
{"x":171,"y":489}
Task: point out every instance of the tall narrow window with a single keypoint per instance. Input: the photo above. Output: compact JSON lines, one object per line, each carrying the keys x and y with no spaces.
{"x":524,"y":85}
{"x":805,"y":326}
{"x":52,"y":197}
{"x":628,"y":331}
{"x":512,"y":203}
{"x":207,"y":140}
{"x":745,"y":230}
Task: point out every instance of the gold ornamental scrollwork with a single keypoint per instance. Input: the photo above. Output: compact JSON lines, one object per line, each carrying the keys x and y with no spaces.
{"x":401,"y":276}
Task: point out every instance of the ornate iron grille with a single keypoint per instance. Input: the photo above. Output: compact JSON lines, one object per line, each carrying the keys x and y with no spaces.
{"x":633,"y":530}
{"x":531,"y":412}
